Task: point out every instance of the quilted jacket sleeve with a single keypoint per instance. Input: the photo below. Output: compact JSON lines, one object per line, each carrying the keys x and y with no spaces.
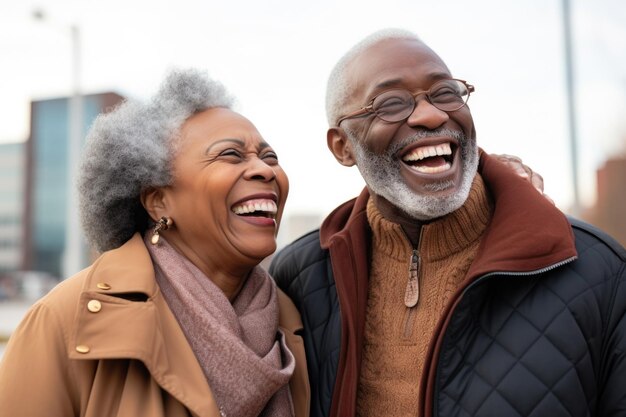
{"x":612,"y":401}
{"x":610,"y":262}
{"x":303,"y":271}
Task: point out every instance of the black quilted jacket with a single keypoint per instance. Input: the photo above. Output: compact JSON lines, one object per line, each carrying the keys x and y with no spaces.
{"x":546,"y":339}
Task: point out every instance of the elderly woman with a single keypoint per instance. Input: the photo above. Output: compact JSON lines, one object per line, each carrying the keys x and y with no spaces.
{"x":175,"y":318}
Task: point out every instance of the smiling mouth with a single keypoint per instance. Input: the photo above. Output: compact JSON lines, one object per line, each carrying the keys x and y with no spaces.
{"x":431,"y":159}
{"x":256,"y":208}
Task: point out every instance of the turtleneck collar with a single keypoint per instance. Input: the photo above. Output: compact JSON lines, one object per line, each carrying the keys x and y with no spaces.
{"x":444,"y":236}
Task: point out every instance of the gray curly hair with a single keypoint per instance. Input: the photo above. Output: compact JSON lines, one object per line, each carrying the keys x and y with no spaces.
{"x":131,"y":149}
{"x":338,"y":86}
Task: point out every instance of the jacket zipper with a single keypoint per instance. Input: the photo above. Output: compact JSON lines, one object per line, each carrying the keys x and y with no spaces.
{"x":477,"y":282}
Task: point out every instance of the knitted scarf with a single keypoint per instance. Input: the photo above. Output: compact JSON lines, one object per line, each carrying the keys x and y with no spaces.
{"x":239,"y":346}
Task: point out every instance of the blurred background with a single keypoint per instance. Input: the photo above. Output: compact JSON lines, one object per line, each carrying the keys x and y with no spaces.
{"x":550,"y":79}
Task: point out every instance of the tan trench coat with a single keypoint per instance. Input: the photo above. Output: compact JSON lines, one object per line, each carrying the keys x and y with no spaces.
{"x":105,"y":343}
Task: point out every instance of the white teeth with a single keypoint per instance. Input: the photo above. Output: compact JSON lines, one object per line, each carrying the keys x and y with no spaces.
{"x":428,"y":151}
{"x":251,"y":206}
{"x":432,"y":170}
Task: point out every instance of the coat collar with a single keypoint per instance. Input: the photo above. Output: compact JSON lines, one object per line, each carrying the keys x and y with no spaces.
{"x":126,"y":270}
{"x":122,"y":315}
{"x":527,"y":232}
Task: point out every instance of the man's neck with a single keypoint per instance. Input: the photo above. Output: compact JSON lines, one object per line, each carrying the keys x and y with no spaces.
{"x":413,"y":231}
{"x":411,"y":227}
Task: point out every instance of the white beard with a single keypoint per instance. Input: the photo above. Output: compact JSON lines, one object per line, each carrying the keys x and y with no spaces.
{"x":382,"y":176}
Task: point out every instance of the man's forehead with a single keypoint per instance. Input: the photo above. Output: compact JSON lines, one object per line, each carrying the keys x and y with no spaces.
{"x":392,"y":61}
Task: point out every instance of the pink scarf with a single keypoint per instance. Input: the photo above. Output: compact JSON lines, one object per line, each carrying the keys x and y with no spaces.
{"x":239,"y":346}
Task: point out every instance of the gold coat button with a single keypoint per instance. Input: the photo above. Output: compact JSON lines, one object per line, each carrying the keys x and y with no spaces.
{"x":94,"y":306}
{"x":103,"y":286}
{"x":82,"y":349}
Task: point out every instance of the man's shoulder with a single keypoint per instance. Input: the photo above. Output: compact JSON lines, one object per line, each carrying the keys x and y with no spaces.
{"x":594,"y":242}
{"x":302,"y":263}
{"x":299,"y":254}
{"x":600,"y":266}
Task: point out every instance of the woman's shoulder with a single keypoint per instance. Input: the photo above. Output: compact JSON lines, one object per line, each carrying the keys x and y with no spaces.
{"x":64,"y":297}
{"x":46,"y":327}
{"x":289,"y":316}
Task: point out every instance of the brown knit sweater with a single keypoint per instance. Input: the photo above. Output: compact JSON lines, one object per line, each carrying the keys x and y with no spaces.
{"x":397,"y":337}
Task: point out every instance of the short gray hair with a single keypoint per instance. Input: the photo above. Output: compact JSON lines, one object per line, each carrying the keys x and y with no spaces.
{"x":337,"y":88}
{"x":131,"y":149}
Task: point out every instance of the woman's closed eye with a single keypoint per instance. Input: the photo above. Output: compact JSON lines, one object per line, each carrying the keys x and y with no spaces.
{"x":231,"y":154}
{"x":235,"y":155}
{"x":270,"y":158}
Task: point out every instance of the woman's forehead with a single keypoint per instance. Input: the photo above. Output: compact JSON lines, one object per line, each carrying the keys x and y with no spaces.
{"x":217,"y":124}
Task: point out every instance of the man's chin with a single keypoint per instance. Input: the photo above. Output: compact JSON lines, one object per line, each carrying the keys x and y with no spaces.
{"x":432,"y":200}
{"x":434,"y":187}
{"x":435,"y":206}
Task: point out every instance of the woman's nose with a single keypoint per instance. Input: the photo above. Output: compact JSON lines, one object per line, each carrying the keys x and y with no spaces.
{"x":260,"y":170}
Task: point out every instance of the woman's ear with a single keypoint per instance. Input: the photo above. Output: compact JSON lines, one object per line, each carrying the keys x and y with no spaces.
{"x":340,"y":146}
{"x":153,"y":200}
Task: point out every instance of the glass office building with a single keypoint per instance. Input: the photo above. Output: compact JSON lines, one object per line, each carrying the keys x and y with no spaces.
{"x":47,"y":178}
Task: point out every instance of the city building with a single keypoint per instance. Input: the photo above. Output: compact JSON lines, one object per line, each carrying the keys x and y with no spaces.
{"x":45,"y":211}
{"x":11,"y":216}
{"x":11,"y":205}
{"x":609,"y":211}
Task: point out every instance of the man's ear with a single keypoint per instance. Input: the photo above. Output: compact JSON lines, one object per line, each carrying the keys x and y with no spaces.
{"x":340,"y":146}
{"x":153,"y":200}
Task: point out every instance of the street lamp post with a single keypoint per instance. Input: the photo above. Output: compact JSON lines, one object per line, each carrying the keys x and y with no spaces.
{"x":73,"y":256}
{"x":571,"y":103}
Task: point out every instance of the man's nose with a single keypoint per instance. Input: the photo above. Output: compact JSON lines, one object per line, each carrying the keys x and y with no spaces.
{"x":426,"y":115}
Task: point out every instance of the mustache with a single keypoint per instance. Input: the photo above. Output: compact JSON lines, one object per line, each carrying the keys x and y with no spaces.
{"x":421,"y":134}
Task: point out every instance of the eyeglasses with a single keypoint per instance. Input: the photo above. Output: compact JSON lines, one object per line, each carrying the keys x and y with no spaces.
{"x":398,"y":104}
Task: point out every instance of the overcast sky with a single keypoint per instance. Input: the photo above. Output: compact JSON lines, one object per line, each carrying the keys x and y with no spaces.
{"x":275,"y":57}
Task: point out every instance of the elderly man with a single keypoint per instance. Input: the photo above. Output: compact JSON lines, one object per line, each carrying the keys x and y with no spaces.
{"x":449,"y":287}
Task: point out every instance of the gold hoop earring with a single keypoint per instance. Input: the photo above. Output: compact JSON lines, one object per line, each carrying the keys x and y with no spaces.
{"x":164,"y":223}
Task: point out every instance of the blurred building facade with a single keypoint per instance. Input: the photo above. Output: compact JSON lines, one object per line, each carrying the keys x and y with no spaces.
{"x":46,"y":175}
{"x":609,"y":212}
{"x":295,"y":225}
{"x":11,"y":206}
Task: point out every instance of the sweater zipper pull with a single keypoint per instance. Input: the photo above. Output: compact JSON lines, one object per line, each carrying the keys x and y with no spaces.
{"x":412,"y":293}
